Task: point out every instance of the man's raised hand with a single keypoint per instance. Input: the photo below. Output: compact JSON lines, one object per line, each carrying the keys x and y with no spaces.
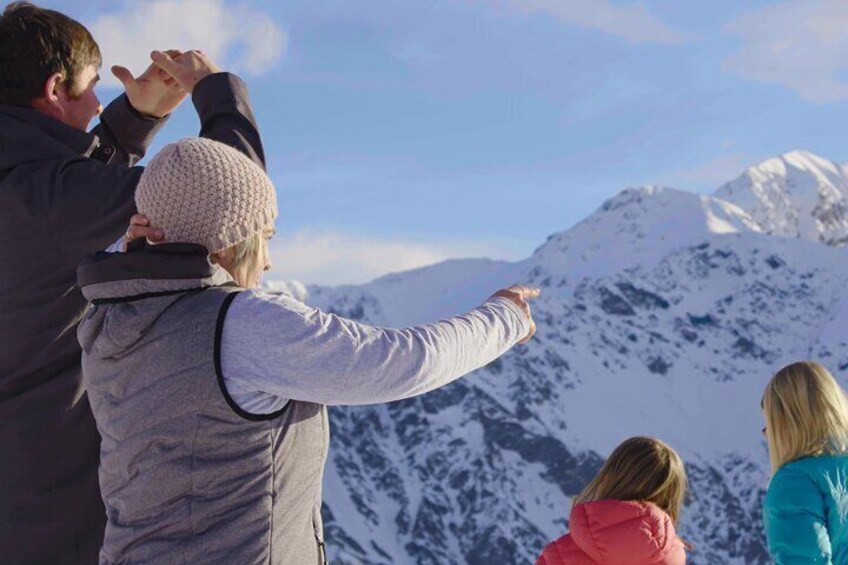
{"x":520,"y":294}
{"x":187,"y":69}
{"x":154,"y":93}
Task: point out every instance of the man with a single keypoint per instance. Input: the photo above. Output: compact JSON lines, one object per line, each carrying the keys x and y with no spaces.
{"x":65,"y":193}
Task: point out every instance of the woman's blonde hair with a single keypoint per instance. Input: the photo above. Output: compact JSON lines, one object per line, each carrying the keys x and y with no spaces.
{"x":245,"y":256}
{"x":248,"y":252}
{"x":643,"y":469}
{"x":806,"y":414}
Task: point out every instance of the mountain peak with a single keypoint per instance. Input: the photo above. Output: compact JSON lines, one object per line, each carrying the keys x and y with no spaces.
{"x":796,"y":160}
{"x":803,"y":155}
{"x":640,"y":225}
{"x":798,"y":194}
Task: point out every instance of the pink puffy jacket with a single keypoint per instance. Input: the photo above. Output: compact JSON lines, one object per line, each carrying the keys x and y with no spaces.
{"x":614,"y":532}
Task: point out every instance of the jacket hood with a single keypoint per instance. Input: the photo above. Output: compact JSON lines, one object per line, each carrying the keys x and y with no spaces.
{"x":625,"y":533}
{"x":28,"y":136}
{"x":130,"y":291}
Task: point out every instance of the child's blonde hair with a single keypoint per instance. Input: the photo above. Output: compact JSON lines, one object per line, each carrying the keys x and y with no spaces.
{"x":643,"y":469}
{"x":806,"y":414}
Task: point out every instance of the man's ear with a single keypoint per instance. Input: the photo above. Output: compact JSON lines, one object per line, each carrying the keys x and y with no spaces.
{"x":52,"y":95}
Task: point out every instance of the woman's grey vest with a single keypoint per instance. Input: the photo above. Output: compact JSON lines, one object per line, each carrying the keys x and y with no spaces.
{"x":187,"y":476}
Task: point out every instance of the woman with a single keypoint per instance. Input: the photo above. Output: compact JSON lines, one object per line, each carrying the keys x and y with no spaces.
{"x":806,"y":507}
{"x":210,"y":398}
{"x":627,"y":514}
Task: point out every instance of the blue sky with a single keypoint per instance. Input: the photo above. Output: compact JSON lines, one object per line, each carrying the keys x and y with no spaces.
{"x":402,"y":133}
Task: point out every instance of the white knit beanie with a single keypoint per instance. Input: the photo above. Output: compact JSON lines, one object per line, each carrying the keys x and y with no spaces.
{"x":202,"y":191}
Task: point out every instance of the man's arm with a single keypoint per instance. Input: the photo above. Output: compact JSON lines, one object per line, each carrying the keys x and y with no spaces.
{"x":102,"y":196}
{"x":226,"y":115}
{"x":126,"y":131}
{"x":129,"y":123}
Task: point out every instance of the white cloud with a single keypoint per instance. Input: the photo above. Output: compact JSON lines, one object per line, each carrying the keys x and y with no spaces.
{"x":632,"y":22}
{"x":800,"y":44}
{"x":333,"y":258}
{"x":234,"y":35}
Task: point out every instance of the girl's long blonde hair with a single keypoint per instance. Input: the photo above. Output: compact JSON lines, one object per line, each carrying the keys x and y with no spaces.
{"x":643,"y":469}
{"x":806,"y":414}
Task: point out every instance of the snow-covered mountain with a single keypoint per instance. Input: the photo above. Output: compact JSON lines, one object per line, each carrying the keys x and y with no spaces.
{"x":796,"y":195}
{"x":664,"y":313}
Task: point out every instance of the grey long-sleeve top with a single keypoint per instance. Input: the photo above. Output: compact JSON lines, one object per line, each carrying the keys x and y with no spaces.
{"x":274,"y":348}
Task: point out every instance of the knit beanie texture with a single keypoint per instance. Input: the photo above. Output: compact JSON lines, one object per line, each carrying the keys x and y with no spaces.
{"x":202,"y":191}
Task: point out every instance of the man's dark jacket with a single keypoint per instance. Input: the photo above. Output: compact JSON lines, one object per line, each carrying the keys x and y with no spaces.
{"x":64,"y":194}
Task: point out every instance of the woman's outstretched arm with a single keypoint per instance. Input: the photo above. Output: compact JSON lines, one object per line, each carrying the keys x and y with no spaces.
{"x":276,"y":345}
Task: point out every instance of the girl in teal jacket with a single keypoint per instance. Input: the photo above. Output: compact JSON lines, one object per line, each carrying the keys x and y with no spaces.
{"x":806,"y":507}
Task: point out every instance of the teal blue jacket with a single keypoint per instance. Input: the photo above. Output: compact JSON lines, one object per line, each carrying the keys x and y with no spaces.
{"x":806,"y":512}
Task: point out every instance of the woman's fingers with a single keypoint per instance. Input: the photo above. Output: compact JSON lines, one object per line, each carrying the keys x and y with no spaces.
{"x":526,"y":292}
{"x":140,"y":227}
{"x":139,"y":220}
{"x":519,"y":294}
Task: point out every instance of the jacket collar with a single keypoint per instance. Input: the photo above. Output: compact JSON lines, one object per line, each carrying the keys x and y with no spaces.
{"x":148,"y":270}
{"x":78,"y":141}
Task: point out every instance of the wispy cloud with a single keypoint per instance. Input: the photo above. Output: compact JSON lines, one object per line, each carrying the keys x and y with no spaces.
{"x":332,"y":257}
{"x":234,"y":35}
{"x":713,"y":173}
{"x":632,"y":22}
{"x":800,"y":44}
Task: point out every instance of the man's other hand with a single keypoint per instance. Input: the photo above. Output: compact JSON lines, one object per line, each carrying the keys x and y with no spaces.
{"x":187,"y":69}
{"x":154,"y":93}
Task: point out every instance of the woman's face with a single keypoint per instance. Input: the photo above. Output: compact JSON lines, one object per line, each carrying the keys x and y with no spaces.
{"x":263,"y":261}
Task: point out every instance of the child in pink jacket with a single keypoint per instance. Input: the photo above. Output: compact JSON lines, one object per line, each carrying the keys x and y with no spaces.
{"x":626,"y":515}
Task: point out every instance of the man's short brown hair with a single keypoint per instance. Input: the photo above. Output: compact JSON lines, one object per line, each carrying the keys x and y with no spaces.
{"x":35,"y":43}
